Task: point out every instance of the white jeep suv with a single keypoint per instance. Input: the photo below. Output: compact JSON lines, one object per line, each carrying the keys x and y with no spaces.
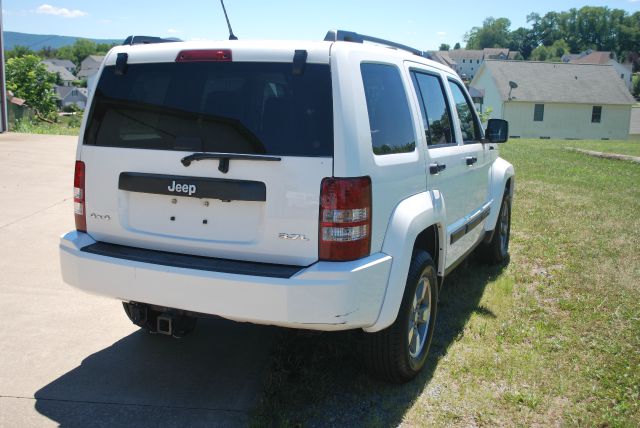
{"x":314,"y":185}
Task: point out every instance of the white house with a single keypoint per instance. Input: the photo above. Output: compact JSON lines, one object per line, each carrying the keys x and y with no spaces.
{"x":88,"y":69}
{"x":71,"y":95}
{"x":468,"y":61}
{"x":625,"y":71}
{"x":443,"y":58}
{"x":64,"y":74}
{"x":69,"y":65}
{"x":556,"y":100}
{"x":90,"y":66}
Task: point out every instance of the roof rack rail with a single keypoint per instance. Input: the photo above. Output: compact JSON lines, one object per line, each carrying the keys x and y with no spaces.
{"x":351,"y":36}
{"x":145,"y":40}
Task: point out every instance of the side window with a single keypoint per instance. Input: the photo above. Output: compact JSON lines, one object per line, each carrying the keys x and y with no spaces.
{"x":466,"y":113}
{"x":388,"y":108}
{"x":596,"y":114}
{"x":538,"y":113}
{"x":434,"y":108}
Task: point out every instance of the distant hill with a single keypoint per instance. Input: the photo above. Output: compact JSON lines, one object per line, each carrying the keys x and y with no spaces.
{"x":38,"y":41}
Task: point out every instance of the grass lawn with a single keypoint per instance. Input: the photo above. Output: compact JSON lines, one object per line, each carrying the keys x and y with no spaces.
{"x":552,"y":339}
{"x":66,"y":125}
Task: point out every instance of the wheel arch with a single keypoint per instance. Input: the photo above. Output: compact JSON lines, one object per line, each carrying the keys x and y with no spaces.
{"x":502,"y":178}
{"x":417,"y":222}
{"x":429,"y":240}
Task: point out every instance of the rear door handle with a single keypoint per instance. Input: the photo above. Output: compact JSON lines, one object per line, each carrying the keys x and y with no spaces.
{"x":471,"y":160}
{"x":435,"y":168}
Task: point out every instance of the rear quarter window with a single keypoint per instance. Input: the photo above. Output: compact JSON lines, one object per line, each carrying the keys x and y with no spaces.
{"x":388,"y":109}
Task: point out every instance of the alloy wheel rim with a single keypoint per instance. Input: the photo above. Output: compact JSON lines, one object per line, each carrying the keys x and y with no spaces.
{"x":419,"y":318}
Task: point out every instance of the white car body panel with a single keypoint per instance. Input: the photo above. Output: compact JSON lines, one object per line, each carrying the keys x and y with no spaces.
{"x":412,"y":216}
{"x":324,"y":296}
{"x":237,"y":229}
{"x":366,"y":293}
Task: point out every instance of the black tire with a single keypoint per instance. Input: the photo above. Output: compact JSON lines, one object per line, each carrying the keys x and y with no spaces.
{"x":496,"y":251}
{"x":390,"y":354}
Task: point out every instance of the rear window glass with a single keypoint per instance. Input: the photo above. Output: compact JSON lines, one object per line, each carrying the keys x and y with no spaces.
{"x":230,"y":107}
{"x":389,"y":116}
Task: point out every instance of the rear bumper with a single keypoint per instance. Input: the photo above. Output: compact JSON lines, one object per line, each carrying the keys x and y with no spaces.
{"x":323,"y":296}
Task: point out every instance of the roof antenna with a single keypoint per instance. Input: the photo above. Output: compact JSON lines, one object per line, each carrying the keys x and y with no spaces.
{"x":231,"y":35}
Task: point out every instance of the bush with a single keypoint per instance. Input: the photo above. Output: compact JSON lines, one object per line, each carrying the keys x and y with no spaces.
{"x":635,"y":86}
{"x":65,"y":127}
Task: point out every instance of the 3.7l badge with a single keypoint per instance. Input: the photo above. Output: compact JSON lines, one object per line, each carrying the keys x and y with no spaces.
{"x":293,"y":236}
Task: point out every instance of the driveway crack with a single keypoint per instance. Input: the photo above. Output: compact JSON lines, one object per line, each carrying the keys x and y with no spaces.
{"x":116,"y":403}
{"x":34,"y":213}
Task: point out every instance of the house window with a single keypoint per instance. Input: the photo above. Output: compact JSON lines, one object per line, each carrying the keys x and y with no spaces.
{"x":596,"y":114}
{"x":74,"y":93}
{"x":477,"y":61}
{"x":538,"y":113}
{"x":463,"y":61}
{"x":622,"y":76}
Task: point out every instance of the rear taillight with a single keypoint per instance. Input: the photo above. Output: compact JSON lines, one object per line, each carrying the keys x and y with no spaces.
{"x":345,"y":219}
{"x":204,"y":55}
{"x":79,"y":197}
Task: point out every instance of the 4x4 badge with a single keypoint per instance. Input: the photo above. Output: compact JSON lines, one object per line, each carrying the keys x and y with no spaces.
{"x":101,"y":216}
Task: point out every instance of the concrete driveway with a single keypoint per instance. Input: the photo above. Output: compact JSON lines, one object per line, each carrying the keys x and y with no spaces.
{"x":72,"y":359}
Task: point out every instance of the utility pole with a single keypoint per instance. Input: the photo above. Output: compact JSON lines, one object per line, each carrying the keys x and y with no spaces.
{"x":3,"y":83}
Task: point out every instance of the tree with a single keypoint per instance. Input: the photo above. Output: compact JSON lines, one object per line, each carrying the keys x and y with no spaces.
{"x":558,"y":33}
{"x":558,"y":49}
{"x":456,"y":46}
{"x":47,"y":52}
{"x":29,"y":79}
{"x":552,"y":53}
{"x":81,"y":49}
{"x":523,"y":41}
{"x":545,"y":29}
{"x":541,"y":53}
{"x":18,"y":52}
{"x":494,"y":33}
{"x":444,"y":47}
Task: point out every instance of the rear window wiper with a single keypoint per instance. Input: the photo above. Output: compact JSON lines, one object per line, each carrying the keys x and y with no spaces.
{"x":224,"y":158}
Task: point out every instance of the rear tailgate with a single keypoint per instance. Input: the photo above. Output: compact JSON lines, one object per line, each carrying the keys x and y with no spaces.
{"x":262,"y":207}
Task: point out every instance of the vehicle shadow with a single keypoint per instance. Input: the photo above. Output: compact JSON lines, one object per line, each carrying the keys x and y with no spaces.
{"x":317,"y":379}
{"x":212,"y":377}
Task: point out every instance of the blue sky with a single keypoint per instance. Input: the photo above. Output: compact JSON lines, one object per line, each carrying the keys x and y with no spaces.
{"x":422,"y":24}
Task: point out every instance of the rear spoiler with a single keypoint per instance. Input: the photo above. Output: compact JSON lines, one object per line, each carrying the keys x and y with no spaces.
{"x":145,"y":40}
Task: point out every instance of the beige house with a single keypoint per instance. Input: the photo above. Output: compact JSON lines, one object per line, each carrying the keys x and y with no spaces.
{"x":556,"y":100}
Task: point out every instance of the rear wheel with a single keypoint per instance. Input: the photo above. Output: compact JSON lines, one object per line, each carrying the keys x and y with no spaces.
{"x":398,"y":353}
{"x":497,"y":250}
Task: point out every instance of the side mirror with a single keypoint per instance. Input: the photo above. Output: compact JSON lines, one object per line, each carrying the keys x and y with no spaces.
{"x":497,"y":131}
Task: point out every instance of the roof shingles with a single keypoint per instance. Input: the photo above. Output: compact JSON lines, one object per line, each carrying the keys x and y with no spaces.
{"x":559,"y":82}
